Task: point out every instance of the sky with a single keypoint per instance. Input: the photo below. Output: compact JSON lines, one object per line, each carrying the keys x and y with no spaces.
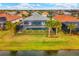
{"x":38,"y":6}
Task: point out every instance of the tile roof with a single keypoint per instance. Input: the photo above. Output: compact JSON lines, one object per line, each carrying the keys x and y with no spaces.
{"x":9,"y":17}
{"x":35,"y":17}
{"x":45,"y":13}
{"x":24,"y":12}
{"x":66,"y":18}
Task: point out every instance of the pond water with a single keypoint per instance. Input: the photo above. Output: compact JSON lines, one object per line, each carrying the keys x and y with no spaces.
{"x":41,"y":53}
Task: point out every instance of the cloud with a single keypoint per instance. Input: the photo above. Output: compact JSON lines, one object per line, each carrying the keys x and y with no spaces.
{"x":21,"y":6}
{"x":35,"y":5}
{"x":16,"y":7}
{"x":32,"y":6}
{"x":66,"y":5}
{"x":55,"y":5}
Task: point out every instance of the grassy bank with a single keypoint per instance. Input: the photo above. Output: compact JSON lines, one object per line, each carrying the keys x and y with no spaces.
{"x":38,"y":42}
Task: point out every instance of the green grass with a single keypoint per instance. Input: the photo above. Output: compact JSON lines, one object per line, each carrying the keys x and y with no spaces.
{"x":37,"y":42}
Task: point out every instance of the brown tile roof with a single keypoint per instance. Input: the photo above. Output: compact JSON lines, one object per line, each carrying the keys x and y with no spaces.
{"x":45,"y":13}
{"x":9,"y":17}
{"x":66,"y":18}
{"x":24,"y":12}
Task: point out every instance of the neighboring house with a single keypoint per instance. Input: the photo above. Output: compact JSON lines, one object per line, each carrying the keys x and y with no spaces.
{"x":12,"y":13}
{"x":23,"y":13}
{"x":45,"y":13}
{"x":2,"y":22}
{"x":12,"y":18}
{"x":35,"y":21}
{"x":7,"y":17}
{"x":66,"y":19}
{"x":15,"y":19}
{"x":67,"y":13}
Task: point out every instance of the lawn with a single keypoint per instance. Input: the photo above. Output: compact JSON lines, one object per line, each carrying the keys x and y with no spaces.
{"x":37,"y":42}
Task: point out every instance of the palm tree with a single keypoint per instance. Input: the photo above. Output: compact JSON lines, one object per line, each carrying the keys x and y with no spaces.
{"x":49,"y":24}
{"x":8,"y":25}
{"x":11,"y":27}
{"x":57,"y":25}
{"x":14,"y":27}
{"x":52,"y":23}
{"x":71,"y":27}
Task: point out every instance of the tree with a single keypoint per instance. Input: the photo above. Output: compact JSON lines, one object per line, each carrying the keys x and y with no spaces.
{"x":53,"y":24}
{"x":8,"y":25}
{"x":11,"y":27}
{"x":71,"y":27}
{"x":57,"y":25}
{"x":14,"y":27}
{"x":49,"y":24}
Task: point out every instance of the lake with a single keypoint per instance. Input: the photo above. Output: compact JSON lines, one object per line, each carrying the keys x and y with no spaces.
{"x":41,"y":53}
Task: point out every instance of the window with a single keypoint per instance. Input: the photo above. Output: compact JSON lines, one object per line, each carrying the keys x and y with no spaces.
{"x":42,"y":23}
{"x":29,"y":23}
{"x":36,"y":23}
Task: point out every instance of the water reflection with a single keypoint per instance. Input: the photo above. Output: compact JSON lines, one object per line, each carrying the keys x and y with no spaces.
{"x":31,"y":53}
{"x":68,"y":53}
{"x":41,"y":53}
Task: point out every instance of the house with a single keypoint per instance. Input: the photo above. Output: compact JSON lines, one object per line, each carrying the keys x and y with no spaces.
{"x":23,"y":13}
{"x":35,"y":21}
{"x":7,"y":17}
{"x":67,"y":13}
{"x":2,"y":22}
{"x":67,"y":19}
{"x":45,"y":13}
{"x":11,"y":12}
{"x":12,"y":18}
